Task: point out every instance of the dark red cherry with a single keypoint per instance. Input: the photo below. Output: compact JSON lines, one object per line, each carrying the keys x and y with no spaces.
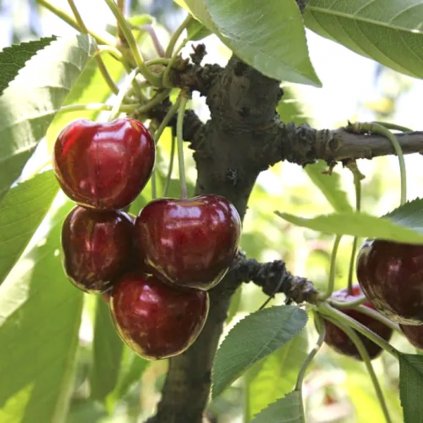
{"x":339,"y":340}
{"x":391,"y":276}
{"x":97,"y":247}
{"x":154,"y":319}
{"x":104,"y":165}
{"x":414,"y":334}
{"x":189,"y":242}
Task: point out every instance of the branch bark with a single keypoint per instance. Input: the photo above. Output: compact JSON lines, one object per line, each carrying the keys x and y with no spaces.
{"x":242,"y":104}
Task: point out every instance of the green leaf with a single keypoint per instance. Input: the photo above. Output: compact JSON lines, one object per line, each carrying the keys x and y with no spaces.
{"x":196,"y":30}
{"x":329,"y":185}
{"x":31,"y":100}
{"x":260,"y":334}
{"x":286,"y":410}
{"x":358,"y":224}
{"x":39,"y":324}
{"x":277,"y":375}
{"x":21,"y":211}
{"x":388,"y":31}
{"x":107,"y":353}
{"x":411,"y":387}
{"x":14,"y":58}
{"x":409,"y":214}
{"x":270,"y":38}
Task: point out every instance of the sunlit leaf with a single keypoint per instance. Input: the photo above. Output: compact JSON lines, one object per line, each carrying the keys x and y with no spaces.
{"x":389,"y":31}
{"x":277,"y":375}
{"x":21,"y":211}
{"x":286,"y":410}
{"x":31,"y":100}
{"x":270,"y":38}
{"x":359,"y":224}
{"x":14,"y":58}
{"x":40,"y":315}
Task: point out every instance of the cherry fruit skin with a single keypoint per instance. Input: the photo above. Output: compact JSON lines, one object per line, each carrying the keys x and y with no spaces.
{"x":154,"y":319}
{"x":339,"y":340}
{"x":97,"y":247}
{"x":104,"y":165}
{"x":189,"y":242}
{"x":414,"y":334}
{"x":391,"y":276}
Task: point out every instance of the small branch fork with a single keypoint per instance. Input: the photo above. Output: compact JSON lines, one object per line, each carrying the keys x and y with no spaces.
{"x":274,"y":278}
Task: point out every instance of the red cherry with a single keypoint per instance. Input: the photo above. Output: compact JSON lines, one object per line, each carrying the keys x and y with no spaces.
{"x":97,"y":247}
{"x":391,"y":276}
{"x":339,"y":340}
{"x":104,"y":165}
{"x":414,"y":334}
{"x":189,"y":242}
{"x":155,"y":319}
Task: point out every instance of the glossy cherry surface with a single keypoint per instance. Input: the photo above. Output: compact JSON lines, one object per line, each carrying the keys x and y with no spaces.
{"x":154,"y":319}
{"x":414,"y":334}
{"x":339,"y":340}
{"x":104,"y":165}
{"x":391,"y":276}
{"x":97,"y":247}
{"x":189,"y":242}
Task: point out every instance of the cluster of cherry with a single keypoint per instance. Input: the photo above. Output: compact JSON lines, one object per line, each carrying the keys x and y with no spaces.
{"x":390,"y":274}
{"x":154,"y":269}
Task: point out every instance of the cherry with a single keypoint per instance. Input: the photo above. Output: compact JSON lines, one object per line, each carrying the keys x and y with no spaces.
{"x":154,"y":319}
{"x":339,"y":340}
{"x":391,"y":276}
{"x":189,"y":242}
{"x":414,"y":334}
{"x":97,"y":247}
{"x":104,"y":165}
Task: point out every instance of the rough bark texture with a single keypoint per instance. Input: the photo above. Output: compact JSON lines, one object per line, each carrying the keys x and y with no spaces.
{"x":228,"y":152}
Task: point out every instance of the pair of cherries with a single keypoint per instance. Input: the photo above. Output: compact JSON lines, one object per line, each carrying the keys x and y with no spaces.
{"x":155,"y":268}
{"x":390,"y":274}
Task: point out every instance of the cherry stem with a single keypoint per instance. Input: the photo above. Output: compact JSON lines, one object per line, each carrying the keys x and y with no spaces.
{"x":327,"y":310}
{"x":331,"y":282}
{"x":70,"y":21}
{"x":121,"y":94}
{"x":100,"y":63}
{"x":378,"y":316}
{"x":394,"y":126}
{"x":357,"y":177}
{"x":383,"y":130}
{"x":170,"y":169}
{"x":175,"y":36}
{"x":180,"y":143}
{"x":322,"y":332}
{"x":127,"y":108}
{"x":347,"y":304}
{"x":367,"y":361}
{"x":124,"y":27}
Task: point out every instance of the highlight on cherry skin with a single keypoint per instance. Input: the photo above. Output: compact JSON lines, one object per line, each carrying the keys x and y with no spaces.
{"x":391,"y":276}
{"x":154,"y":319}
{"x":104,"y":165}
{"x":97,"y":247}
{"x":338,"y":339}
{"x":189,"y":242}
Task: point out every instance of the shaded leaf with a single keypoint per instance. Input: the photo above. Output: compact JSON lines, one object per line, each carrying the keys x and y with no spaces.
{"x":21,"y":211}
{"x":388,"y":31}
{"x":14,"y":58}
{"x":107,"y":353}
{"x":411,"y":387}
{"x":40,"y":314}
{"x":260,"y":334}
